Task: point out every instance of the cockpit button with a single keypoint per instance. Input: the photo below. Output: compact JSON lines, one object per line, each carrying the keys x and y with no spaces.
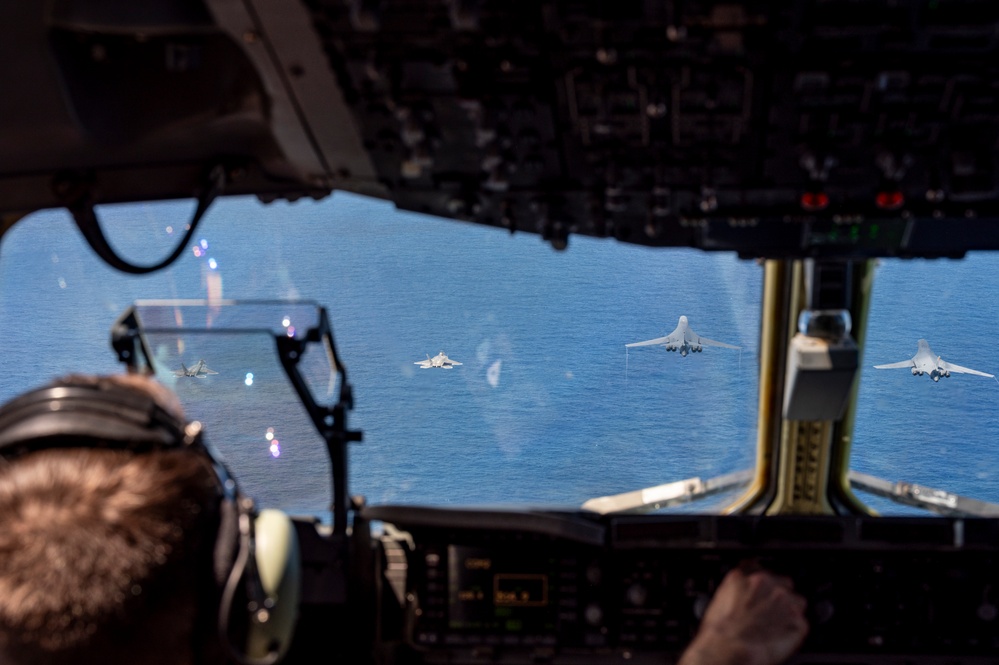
{"x":483,"y":653}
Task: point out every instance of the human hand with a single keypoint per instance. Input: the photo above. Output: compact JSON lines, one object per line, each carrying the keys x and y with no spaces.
{"x":755,"y":618}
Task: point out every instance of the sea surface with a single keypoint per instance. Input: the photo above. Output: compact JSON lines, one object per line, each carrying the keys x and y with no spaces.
{"x":547,"y":408}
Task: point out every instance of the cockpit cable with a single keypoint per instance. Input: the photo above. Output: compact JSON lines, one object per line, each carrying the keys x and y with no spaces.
{"x":78,"y":198}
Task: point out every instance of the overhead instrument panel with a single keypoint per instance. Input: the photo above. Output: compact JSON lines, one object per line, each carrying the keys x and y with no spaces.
{"x":823,"y":128}
{"x":826,"y":128}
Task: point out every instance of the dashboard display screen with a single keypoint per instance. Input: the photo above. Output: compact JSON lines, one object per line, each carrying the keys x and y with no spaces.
{"x":487,"y":593}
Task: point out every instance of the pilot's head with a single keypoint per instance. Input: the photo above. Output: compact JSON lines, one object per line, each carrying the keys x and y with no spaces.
{"x":113,"y":524}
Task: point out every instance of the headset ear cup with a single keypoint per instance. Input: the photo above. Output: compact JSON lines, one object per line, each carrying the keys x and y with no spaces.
{"x":280,"y":569}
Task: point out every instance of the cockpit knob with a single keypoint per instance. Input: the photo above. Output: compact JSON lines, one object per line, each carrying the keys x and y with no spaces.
{"x":594,"y":614}
{"x":823,"y":610}
{"x":637,"y":595}
{"x":987,"y":611}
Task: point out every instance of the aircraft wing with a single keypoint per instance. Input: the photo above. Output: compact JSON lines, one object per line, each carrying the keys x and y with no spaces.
{"x":180,"y":372}
{"x":950,"y":367}
{"x":898,"y":365}
{"x":205,"y":370}
{"x":704,"y":341}
{"x":453,"y":362}
{"x":425,"y":364}
{"x":652,"y":342}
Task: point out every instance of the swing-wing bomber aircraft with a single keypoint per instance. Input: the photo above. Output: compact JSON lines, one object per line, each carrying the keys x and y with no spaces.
{"x":682,"y":339}
{"x":926,"y":362}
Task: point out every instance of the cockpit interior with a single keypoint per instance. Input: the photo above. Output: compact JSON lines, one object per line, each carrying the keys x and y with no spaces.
{"x":763,"y":168}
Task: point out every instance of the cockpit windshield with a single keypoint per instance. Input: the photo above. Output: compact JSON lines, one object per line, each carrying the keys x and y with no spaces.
{"x":537,"y":399}
{"x":909,"y":427}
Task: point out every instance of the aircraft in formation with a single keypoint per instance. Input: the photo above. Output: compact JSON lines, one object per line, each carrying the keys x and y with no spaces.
{"x":682,"y":339}
{"x":926,"y":362}
{"x":198,"y":370}
{"x":440,"y":361}
{"x":685,"y":340}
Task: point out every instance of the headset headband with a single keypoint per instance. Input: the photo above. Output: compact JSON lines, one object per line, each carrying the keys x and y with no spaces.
{"x":100,"y":414}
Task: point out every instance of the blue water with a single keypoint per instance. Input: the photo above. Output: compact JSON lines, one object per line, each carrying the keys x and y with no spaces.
{"x":547,"y":408}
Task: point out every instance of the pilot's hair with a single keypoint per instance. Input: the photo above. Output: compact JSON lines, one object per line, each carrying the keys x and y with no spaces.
{"x":96,"y":544}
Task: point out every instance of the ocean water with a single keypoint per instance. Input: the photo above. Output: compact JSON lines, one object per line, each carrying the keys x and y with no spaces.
{"x":547,"y":408}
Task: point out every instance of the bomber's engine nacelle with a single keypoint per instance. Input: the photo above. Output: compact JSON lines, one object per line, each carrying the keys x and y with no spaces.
{"x":698,"y":348}
{"x":915,"y":372}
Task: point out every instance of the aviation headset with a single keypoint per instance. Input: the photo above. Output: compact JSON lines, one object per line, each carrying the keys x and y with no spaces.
{"x":255,"y":558}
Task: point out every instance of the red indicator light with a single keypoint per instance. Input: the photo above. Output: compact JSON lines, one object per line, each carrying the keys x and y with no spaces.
{"x":889,"y":200}
{"x":814,"y":200}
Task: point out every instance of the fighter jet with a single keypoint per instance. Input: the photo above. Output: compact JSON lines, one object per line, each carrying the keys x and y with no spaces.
{"x":199,"y":370}
{"x":440,"y":360}
{"x":682,"y":339}
{"x":925,"y":362}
